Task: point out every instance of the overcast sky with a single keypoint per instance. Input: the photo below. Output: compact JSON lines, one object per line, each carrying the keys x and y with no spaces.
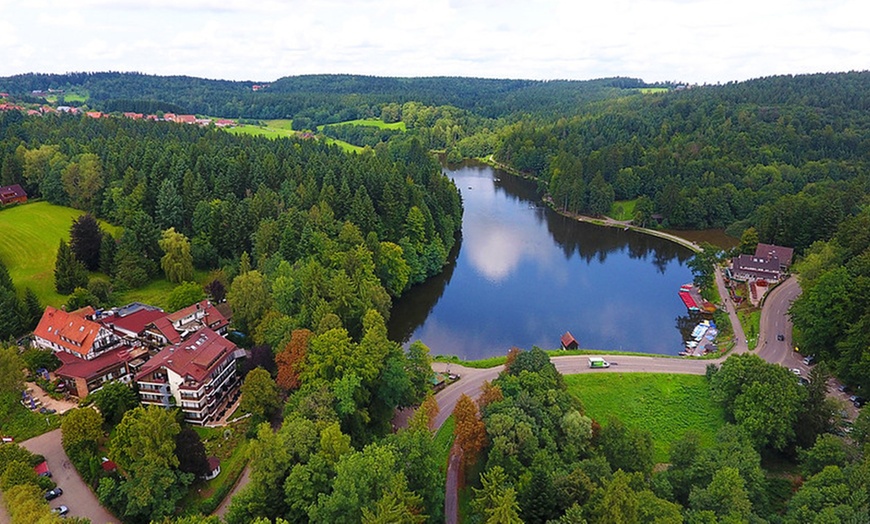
{"x":696,"y":41}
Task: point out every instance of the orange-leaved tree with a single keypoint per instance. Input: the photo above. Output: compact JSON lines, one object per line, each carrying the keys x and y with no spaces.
{"x":469,"y":431}
{"x":292,"y":358}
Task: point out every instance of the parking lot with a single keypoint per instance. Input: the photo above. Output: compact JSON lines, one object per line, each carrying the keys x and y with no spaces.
{"x":80,"y":500}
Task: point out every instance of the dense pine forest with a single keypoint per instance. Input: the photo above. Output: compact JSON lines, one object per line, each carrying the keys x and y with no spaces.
{"x":310,"y":245}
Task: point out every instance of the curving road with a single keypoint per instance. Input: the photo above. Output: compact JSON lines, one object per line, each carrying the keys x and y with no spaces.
{"x":774,"y":321}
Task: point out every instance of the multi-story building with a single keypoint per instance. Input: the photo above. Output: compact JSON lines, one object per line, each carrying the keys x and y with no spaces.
{"x":197,"y":375}
{"x":90,"y":353}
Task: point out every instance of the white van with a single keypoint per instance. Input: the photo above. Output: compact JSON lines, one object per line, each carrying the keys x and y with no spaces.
{"x":598,"y":362}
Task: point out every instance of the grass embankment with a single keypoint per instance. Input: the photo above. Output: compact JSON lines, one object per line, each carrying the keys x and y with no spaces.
{"x":29,"y":235}
{"x":492,"y":362}
{"x":666,"y":405}
{"x":444,"y":440}
{"x":750,"y":320}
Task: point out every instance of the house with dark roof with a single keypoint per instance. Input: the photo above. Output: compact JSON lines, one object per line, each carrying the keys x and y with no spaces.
{"x":12,"y":194}
{"x":91,"y":354}
{"x":770,"y":262}
{"x":198,"y":375}
{"x":783,"y":254}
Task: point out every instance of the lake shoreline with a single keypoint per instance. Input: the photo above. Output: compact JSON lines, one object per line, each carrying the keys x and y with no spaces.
{"x":605,"y":221}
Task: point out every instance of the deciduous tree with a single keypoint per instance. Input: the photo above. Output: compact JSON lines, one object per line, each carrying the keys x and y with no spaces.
{"x":291,"y":360}
{"x":259,"y":394}
{"x":177,"y":262}
{"x":81,"y":428}
{"x":469,"y":431}
{"x":183,"y":295}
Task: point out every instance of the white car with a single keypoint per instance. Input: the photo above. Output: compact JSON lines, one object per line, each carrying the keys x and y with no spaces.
{"x":796,"y":371}
{"x":61,"y":510}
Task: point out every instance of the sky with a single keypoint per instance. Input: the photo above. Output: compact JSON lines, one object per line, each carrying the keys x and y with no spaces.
{"x":693,"y":41}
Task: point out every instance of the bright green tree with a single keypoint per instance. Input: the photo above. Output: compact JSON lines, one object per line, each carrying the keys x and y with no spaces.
{"x":11,"y":371}
{"x":250,"y":298}
{"x":260,"y":395}
{"x":177,"y":262}
{"x":183,"y":295}
{"x":81,"y":428}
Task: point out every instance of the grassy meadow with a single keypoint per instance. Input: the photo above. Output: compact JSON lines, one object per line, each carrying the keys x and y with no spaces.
{"x":29,"y":235}
{"x":666,"y":405}
{"x":622,"y":210}
{"x":269,"y":128}
{"x":373,"y":122}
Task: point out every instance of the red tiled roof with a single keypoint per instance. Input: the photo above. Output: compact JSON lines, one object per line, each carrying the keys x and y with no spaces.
{"x":196,"y":357}
{"x":74,"y":367}
{"x":164,"y":326}
{"x":134,"y":322}
{"x":66,"y":330}
{"x":568,"y":339}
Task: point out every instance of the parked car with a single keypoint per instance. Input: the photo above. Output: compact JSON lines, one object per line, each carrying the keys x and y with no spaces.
{"x":53,"y":494}
{"x":47,"y":411}
{"x":844,"y":388}
{"x":780,"y":337}
{"x":809,"y":360}
{"x":859,"y":401}
{"x":796,"y":371}
{"x":61,"y":510}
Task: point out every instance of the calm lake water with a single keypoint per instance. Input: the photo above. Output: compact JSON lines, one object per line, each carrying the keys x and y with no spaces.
{"x":522,"y":275}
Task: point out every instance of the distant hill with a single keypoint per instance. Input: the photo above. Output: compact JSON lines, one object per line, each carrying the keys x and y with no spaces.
{"x":325,"y":98}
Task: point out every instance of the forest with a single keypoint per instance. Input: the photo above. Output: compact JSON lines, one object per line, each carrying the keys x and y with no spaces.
{"x":330,"y":239}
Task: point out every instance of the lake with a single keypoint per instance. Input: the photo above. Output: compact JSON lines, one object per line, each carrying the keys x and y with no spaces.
{"x":522,"y":275}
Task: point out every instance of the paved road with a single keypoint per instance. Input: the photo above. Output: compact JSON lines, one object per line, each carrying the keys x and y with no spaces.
{"x":775,"y":321}
{"x":77,"y":496}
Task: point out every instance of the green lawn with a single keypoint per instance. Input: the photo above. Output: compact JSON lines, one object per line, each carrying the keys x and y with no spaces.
{"x":372,"y":122}
{"x":157,"y":291}
{"x":622,"y":210}
{"x":650,"y":90}
{"x":29,"y":235}
{"x":268,"y":128}
{"x":666,"y":405}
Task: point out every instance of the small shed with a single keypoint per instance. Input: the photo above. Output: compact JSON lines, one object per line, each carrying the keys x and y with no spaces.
{"x":569,"y":342}
{"x":12,"y":194}
{"x":214,"y":468}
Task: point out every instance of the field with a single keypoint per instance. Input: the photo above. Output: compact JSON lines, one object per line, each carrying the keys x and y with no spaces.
{"x":269,"y":129}
{"x":373,"y":122}
{"x":284,"y":129}
{"x":666,"y":405}
{"x":29,"y":235}
{"x":651,"y":90}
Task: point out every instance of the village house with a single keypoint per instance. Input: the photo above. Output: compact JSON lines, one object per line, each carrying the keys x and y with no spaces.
{"x":90,"y":353}
{"x":12,"y":194}
{"x":198,"y":375}
{"x":770,"y":263}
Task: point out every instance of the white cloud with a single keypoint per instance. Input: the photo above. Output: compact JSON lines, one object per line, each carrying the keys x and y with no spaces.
{"x":688,"y":40}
